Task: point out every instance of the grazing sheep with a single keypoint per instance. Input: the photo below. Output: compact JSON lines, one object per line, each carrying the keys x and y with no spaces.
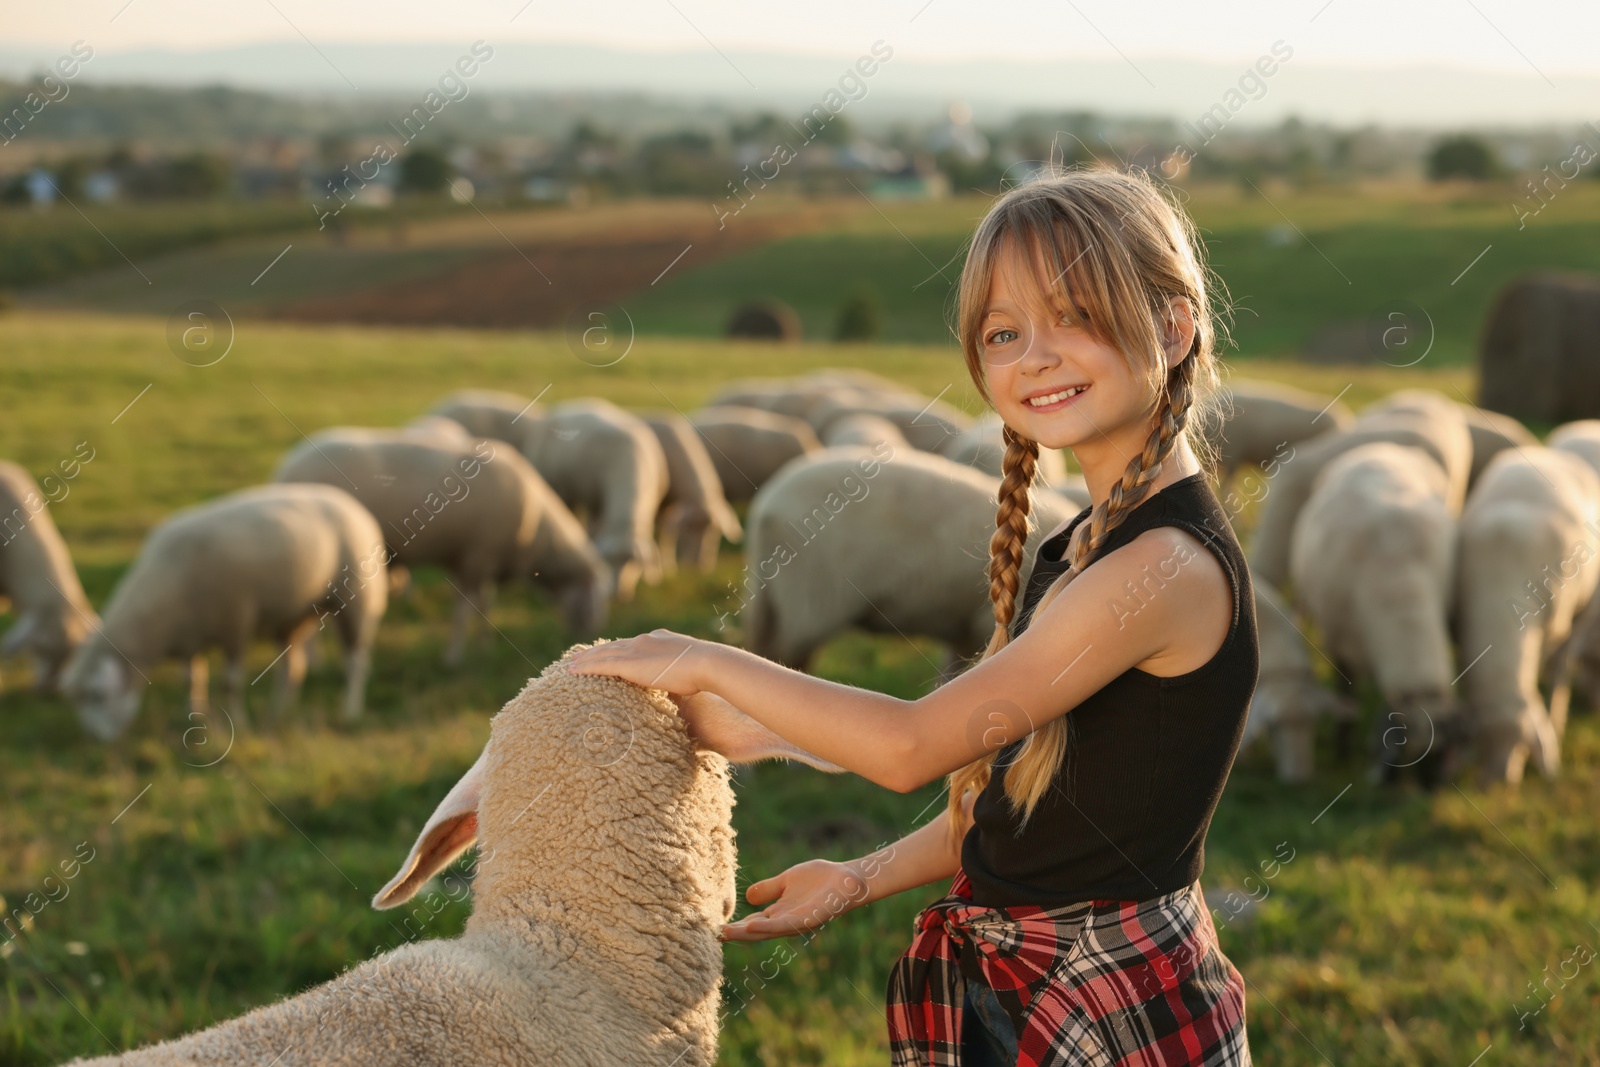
{"x":929,"y":424}
{"x":863,"y":428}
{"x":748,"y":445}
{"x":891,"y":541}
{"x":1288,"y":699}
{"x":1581,"y":438}
{"x":439,"y":428}
{"x":1526,"y":566}
{"x":269,"y":561}
{"x":490,"y":413}
{"x":472,"y":509}
{"x":606,"y":867}
{"x":981,"y":447}
{"x":1253,"y":420}
{"x":695,"y":516}
{"x":1437,"y":428}
{"x":1373,"y":563}
{"x":37,"y":577}
{"x":1492,"y":433}
{"x":608,"y":467}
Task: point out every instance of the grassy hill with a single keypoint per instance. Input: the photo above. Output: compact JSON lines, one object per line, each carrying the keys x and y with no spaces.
{"x":1293,"y":262}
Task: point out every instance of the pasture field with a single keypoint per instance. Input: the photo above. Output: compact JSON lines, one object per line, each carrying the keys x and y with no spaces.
{"x":1294,"y":260}
{"x":1407,"y":928}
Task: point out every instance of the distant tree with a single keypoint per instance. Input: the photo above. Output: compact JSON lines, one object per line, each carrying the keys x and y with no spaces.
{"x":860,"y":317}
{"x":424,"y":170}
{"x":682,"y":163}
{"x":198,"y":176}
{"x":1464,"y":155}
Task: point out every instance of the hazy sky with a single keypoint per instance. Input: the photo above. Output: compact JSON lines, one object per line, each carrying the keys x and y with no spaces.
{"x":1508,"y":35}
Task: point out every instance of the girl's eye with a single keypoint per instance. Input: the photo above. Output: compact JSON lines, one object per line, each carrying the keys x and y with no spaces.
{"x":993,"y":337}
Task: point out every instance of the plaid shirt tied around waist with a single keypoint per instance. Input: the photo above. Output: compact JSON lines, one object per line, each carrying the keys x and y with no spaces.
{"x":1093,"y":984}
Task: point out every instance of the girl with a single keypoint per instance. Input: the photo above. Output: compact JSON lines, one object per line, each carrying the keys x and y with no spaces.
{"x":1087,"y":748}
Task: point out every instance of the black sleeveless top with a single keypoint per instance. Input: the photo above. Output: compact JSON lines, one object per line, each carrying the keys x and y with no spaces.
{"x":1147,"y":757}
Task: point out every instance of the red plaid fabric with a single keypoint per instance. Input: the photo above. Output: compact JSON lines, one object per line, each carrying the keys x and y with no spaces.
{"x":1093,"y":984}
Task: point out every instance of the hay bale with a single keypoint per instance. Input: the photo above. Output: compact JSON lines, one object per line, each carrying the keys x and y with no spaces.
{"x":1540,"y":355}
{"x":769,"y":320}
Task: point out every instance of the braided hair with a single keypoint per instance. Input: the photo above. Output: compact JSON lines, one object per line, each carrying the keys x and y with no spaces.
{"x":1128,"y":251}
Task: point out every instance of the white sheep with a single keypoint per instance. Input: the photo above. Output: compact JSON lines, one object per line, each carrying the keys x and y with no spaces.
{"x":863,"y":428}
{"x":440,"y":428}
{"x":891,"y":541}
{"x":1526,"y":566}
{"x":1373,"y":564}
{"x":606,"y":866}
{"x":1254,"y":419}
{"x":695,"y":515}
{"x":270,"y":561}
{"x":928,"y":423}
{"x":981,"y":447}
{"x":53,"y":616}
{"x":748,"y":445}
{"x":1435,"y":426}
{"x":608,"y":467}
{"x":1492,"y":433}
{"x":490,"y":413}
{"x":473,"y":509}
{"x":1581,"y":438}
{"x":1288,"y":699}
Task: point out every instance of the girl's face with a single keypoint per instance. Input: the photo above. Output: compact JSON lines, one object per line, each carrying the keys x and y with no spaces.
{"x":1033,"y":358}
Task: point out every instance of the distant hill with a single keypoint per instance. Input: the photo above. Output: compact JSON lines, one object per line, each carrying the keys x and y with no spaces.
{"x":1180,"y":89}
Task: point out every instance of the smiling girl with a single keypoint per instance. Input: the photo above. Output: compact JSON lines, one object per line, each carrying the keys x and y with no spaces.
{"x":1086,"y":750}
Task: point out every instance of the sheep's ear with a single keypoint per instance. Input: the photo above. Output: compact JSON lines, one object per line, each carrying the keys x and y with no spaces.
{"x":718,"y":726}
{"x":451,"y":830}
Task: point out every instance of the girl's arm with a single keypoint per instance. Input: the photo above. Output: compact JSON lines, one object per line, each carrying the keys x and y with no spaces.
{"x":1162,"y":600}
{"x":809,"y":894}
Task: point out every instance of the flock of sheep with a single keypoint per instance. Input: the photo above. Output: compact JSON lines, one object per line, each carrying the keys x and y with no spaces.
{"x":1431,"y":548}
{"x":1440,"y":554}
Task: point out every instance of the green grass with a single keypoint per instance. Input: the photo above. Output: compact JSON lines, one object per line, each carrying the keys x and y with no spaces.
{"x":1404,"y":930}
{"x":1293,"y":262}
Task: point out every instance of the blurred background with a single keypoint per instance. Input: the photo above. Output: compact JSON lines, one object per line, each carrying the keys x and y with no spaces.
{"x":222,"y":230}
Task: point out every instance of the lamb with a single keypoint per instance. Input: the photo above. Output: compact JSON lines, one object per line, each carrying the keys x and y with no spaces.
{"x":695,"y":516}
{"x":1288,"y":699}
{"x":37,"y":577}
{"x":1255,"y":419}
{"x":1436,"y":426}
{"x":1526,"y":567}
{"x":1373,"y":561}
{"x":472,"y":509}
{"x":270,"y":561}
{"x":748,"y":445}
{"x":490,"y":413}
{"x":608,"y":467}
{"x":981,"y":447}
{"x":606,"y":867}
{"x":892,"y":541}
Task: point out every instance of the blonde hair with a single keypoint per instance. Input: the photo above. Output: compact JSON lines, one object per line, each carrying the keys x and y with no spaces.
{"x":1123,"y":251}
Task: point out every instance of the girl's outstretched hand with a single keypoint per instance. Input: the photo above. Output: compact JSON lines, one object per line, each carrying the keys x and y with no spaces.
{"x":659,"y":659}
{"x":802,"y":898}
